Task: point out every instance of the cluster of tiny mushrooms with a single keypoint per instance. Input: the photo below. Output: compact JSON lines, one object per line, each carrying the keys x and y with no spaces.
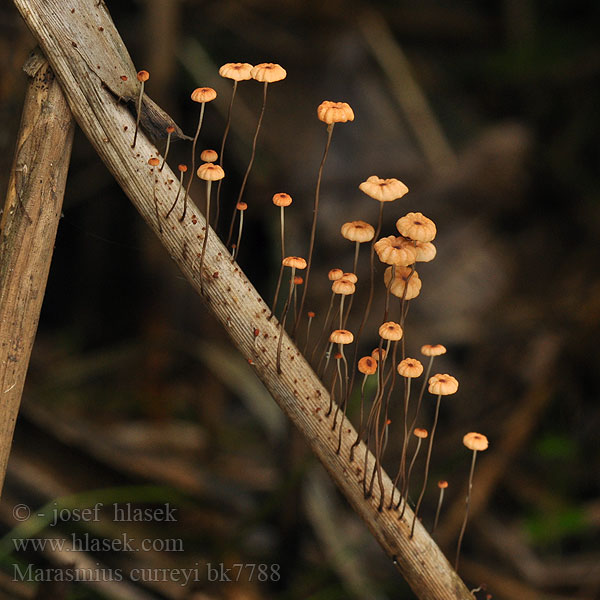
{"x":400,"y":253}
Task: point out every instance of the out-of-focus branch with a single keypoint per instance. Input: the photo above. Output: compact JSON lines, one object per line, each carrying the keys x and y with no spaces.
{"x":409,"y":95}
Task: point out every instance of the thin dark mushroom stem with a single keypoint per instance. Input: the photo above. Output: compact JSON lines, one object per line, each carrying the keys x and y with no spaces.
{"x":359,"y":433}
{"x":427,"y":462}
{"x":355,"y":262}
{"x":383,"y":441}
{"x":341,"y":402}
{"x":379,"y":402}
{"x":387,"y":295}
{"x":468,"y":504}
{"x":282,"y":231}
{"x":192,"y":172}
{"x":310,"y":320}
{"x":155,"y":199}
{"x":439,"y":509}
{"x":205,"y":241}
{"x":283,"y":317}
{"x":405,"y":486}
{"x":402,"y":469}
{"x":239,"y":238}
{"x":325,"y":326}
{"x":170,"y":130}
{"x":142,"y":77}
{"x":313,"y":229}
{"x":251,"y":162}
{"x":476,"y":442}
{"x":181,"y":172}
{"x":327,"y":356}
{"x":421,"y":393}
{"x":371,"y":293}
{"x":225,"y":134}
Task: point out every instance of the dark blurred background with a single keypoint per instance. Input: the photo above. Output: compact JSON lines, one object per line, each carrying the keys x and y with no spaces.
{"x":489,"y":113}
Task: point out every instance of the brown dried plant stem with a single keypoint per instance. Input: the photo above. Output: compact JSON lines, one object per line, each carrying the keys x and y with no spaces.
{"x":27,"y":232}
{"x":230,"y":296}
{"x":313,"y":229}
{"x":251,"y":161}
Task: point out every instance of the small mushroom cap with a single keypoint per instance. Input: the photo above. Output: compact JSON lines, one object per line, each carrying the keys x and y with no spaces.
{"x":153,"y":162}
{"x":377,"y":353}
{"x":335,"y":274}
{"x":383,"y":190}
{"x":410,"y":367}
{"x":298,"y":280}
{"x":236,"y":71}
{"x":341,"y":336}
{"x":241,"y":205}
{"x":416,"y":226}
{"x":143,"y":76}
{"x":210,"y":172}
{"x":442,"y":484}
{"x":294,"y":261}
{"x":475,"y":441}
{"x":282,"y":199}
{"x":311,"y":314}
{"x":358,"y":231}
{"x":334,"y":112}
{"x":404,"y":277}
{"x":170,"y":129}
{"x":268,"y":72}
{"x":353,"y":277}
{"x":343,"y":287}
{"x":182,"y":168}
{"x":426,"y":251}
{"x":420,"y":432}
{"x":433,"y":349}
{"x":367,"y":365}
{"x":442,"y":385}
{"x":209,"y":155}
{"x":394,"y":250}
{"x":203,"y":94}
{"x":390,"y":331}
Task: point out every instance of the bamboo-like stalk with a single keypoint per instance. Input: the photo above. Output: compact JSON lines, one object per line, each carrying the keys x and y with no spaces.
{"x":28,"y":232}
{"x":230,"y":296}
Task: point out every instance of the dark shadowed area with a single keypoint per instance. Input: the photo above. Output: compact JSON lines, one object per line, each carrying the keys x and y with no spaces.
{"x":136,"y":400}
